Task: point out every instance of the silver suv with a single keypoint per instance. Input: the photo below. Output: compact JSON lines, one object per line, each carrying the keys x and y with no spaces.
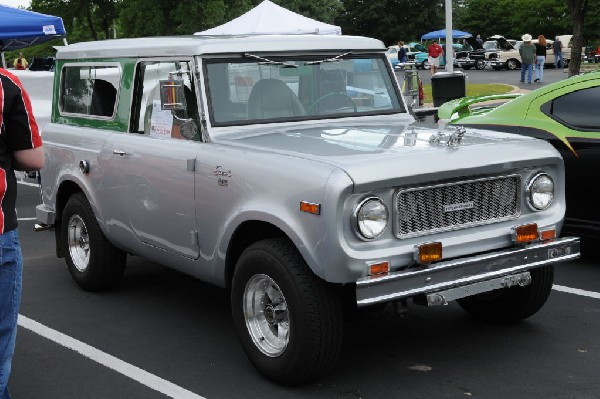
{"x":288,"y":170}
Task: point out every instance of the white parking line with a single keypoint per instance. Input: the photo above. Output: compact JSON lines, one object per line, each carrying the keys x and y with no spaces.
{"x":135,"y":373}
{"x":26,"y":183}
{"x":576,"y":291}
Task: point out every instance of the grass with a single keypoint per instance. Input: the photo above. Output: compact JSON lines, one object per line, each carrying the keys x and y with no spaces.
{"x":475,"y":89}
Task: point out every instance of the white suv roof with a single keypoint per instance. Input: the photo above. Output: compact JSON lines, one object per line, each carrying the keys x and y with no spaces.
{"x":195,"y":45}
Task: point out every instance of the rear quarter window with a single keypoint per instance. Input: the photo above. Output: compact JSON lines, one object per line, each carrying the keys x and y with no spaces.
{"x":89,"y":90}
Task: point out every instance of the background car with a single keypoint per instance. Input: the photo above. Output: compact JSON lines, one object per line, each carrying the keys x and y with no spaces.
{"x":471,"y":54}
{"x":42,"y":64}
{"x":567,"y":45}
{"x":501,"y":53}
{"x":392,"y":54}
{"x":564,"y":113}
{"x":422,"y":58}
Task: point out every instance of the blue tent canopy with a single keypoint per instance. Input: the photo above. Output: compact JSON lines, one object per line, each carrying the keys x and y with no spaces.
{"x":441,"y":34}
{"x":21,"y":28}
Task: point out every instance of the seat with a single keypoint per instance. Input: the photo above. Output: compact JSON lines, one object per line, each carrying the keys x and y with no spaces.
{"x":271,"y":98}
{"x":104,"y":98}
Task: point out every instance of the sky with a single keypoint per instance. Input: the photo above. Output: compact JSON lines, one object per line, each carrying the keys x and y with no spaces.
{"x":16,"y":3}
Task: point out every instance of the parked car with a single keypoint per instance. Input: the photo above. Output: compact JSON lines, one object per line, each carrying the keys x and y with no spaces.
{"x":564,"y":113}
{"x":501,"y":54}
{"x":422,"y":58}
{"x":567,"y":47}
{"x":288,"y":170}
{"x":42,"y":64}
{"x":412,"y":49}
{"x":471,"y":54}
{"x":392,"y":54}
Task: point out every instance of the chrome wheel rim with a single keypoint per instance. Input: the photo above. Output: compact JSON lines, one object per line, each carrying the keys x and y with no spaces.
{"x":78,"y":242}
{"x":266,"y":314}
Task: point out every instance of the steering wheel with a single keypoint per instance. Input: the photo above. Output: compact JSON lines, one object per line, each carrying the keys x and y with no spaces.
{"x":343,"y":95}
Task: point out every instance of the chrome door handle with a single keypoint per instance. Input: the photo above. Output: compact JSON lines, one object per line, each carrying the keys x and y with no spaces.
{"x":119,"y":152}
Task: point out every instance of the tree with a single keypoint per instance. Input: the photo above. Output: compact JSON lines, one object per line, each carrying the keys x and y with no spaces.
{"x":577,"y":9}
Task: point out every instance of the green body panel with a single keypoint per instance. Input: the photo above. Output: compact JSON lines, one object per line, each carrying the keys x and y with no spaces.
{"x":120,"y":121}
{"x":523,"y":110}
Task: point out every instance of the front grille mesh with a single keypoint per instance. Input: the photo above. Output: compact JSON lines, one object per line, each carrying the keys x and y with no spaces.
{"x":427,"y":210}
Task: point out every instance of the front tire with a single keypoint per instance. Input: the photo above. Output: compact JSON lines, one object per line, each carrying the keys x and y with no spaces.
{"x":510,"y":305}
{"x":289,"y":321}
{"x":511,"y":65}
{"x":425,"y":65}
{"x":480,"y":64}
{"x":94,"y":263}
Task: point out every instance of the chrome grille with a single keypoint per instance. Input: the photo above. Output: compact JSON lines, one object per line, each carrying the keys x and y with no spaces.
{"x":452,"y":206}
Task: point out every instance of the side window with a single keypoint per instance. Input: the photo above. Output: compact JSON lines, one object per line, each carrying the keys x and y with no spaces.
{"x":578,"y":109}
{"x":89,"y":90}
{"x":148,"y":116}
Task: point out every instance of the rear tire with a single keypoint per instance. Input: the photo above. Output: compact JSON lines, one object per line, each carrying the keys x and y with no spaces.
{"x":289,"y":321}
{"x":510,"y":305}
{"x":94,"y":263}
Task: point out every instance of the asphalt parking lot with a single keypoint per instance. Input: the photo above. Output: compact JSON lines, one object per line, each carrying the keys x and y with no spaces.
{"x":163,"y":334}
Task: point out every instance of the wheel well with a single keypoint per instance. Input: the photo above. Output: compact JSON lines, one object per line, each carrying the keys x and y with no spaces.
{"x":247,"y":234}
{"x":66,"y":190}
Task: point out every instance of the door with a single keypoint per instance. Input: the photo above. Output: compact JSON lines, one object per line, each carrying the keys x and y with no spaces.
{"x":155,"y":163}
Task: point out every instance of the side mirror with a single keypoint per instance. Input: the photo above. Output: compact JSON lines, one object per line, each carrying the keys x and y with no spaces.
{"x":172,"y":94}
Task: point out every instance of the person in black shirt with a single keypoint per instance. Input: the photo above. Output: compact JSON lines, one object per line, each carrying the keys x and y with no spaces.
{"x":540,"y":58}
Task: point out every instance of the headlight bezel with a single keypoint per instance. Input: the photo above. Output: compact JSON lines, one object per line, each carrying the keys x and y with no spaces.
{"x":360,"y":232}
{"x":530,"y":193}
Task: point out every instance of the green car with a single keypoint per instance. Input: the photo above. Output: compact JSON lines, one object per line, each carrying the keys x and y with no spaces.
{"x":567,"y":114}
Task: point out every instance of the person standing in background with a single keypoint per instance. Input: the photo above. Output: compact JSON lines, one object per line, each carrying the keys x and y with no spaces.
{"x":434,"y":50}
{"x":402,"y":57}
{"x":20,"y":62}
{"x":479,"y":40}
{"x":527,"y":52}
{"x":558,"y":55}
{"x":540,"y":58}
{"x":20,"y":149}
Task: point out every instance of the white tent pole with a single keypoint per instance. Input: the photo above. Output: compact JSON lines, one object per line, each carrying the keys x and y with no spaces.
{"x":449,"y":50}
{"x":3,"y":61}
{"x":65,"y":41}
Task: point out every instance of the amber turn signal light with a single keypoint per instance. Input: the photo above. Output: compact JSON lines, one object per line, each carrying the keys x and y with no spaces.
{"x":380,"y":268}
{"x":525,"y":233}
{"x":548,"y":234}
{"x":430,"y":252}
{"x":309,"y":207}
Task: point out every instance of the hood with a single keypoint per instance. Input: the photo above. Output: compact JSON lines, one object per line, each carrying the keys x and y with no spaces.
{"x":384,"y":151}
{"x":414,"y":47}
{"x":502,"y":42}
{"x":473,"y":43}
{"x":565,"y":39}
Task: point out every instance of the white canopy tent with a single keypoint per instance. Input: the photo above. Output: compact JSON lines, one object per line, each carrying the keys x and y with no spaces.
{"x":268,"y":18}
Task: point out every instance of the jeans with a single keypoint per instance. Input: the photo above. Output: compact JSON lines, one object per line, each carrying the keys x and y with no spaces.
{"x":558,"y":57}
{"x":11,"y":270}
{"x":529,"y":69}
{"x":539,"y":67}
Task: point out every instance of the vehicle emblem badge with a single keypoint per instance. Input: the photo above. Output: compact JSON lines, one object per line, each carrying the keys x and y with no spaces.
{"x":222,"y":175}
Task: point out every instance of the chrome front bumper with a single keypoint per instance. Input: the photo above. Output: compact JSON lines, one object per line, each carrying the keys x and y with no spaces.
{"x":467,"y":273}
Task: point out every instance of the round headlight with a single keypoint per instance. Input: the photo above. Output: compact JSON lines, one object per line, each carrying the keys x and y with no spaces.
{"x":371,"y":218}
{"x":540,"y":191}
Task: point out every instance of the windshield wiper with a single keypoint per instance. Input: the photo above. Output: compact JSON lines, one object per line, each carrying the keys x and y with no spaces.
{"x":266,"y":61}
{"x":333,"y":59}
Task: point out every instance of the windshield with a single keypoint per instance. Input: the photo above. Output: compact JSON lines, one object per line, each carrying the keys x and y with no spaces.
{"x":275,"y":89}
{"x":491,"y":45}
